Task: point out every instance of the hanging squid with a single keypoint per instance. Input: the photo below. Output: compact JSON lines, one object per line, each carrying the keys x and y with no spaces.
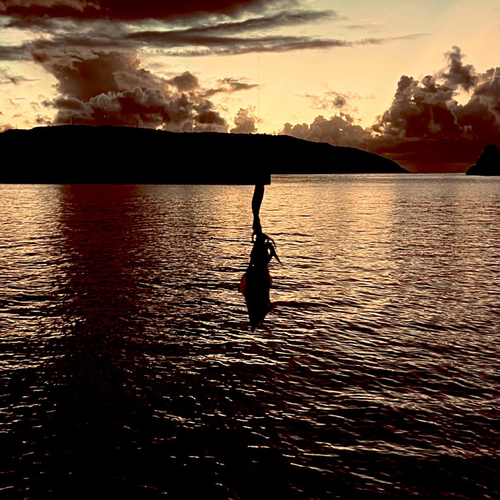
{"x":256,"y":282}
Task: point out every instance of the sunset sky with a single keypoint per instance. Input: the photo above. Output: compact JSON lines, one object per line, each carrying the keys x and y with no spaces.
{"x":417,"y":81}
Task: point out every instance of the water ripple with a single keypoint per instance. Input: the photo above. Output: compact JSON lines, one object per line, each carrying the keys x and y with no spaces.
{"x":128,"y":368}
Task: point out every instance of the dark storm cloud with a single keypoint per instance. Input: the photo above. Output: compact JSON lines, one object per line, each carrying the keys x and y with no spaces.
{"x":488,"y":92}
{"x":420,"y":109}
{"x":85,"y":74}
{"x":212,"y":25}
{"x":129,"y":10}
{"x":428,"y":108}
{"x":112,"y":88}
{"x":140,"y":107}
{"x":207,"y":118}
{"x":214,"y":36}
{"x":222,"y":35}
{"x":425,"y":127}
{"x":217,"y":34}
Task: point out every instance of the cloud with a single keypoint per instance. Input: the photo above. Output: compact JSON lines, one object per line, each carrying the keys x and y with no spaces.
{"x":340,"y":130}
{"x":222,"y":27}
{"x":84,"y":74}
{"x":213,"y":27}
{"x":425,"y":127}
{"x":458,"y":74}
{"x":228,"y":86}
{"x":330,"y":100}
{"x":371,"y":24}
{"x":266,"y":22}
{"x":112,"y":88}
{"x":186,"y":82}
{"x":6,"y":78}
{"x":111,"y":29}
{"x":245,"y":122}
{"x":177,"y":43}
{"x":43,"y":121}
{"x":207,"y":118}
{"x":129,"y":10}
{"x":427,"y":109}
{"x":15,"y":53}
{"x":195,"y":44}
{"x":148,"y":108}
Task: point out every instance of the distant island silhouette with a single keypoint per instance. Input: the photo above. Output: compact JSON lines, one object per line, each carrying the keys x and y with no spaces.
{"x":123,"y":155}
{"x":488,"y":163}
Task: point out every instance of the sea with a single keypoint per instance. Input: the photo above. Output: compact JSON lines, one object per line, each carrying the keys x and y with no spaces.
{"x":128,"y":368}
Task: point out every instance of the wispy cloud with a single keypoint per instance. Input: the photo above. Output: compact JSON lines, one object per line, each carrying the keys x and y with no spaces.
{"x":367,"y":24}
{"x":189,"y":43}
{"x":224,"y":27}
{"x":6,"y":78}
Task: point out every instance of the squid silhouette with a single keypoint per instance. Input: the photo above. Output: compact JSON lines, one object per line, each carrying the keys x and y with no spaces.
{"x":256,"y":282}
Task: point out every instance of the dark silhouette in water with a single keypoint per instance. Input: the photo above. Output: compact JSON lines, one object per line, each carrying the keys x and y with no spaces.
{"x":256,"y":282}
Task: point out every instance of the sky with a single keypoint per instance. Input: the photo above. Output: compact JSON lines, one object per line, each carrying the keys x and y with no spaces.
{"x":416,"y":81}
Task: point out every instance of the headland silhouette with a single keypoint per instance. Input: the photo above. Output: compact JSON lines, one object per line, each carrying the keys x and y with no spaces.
{"x":124,"y":155}
{"x":488,"y":163}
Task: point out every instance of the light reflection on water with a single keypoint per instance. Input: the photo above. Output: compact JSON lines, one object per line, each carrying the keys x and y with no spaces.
{"x":129,"y":368}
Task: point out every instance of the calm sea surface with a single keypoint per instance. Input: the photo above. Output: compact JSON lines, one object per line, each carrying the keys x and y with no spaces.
{"x":128,"y":369}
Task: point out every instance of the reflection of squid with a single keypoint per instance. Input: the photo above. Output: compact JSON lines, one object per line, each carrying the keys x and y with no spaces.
{"x":256,"y":282}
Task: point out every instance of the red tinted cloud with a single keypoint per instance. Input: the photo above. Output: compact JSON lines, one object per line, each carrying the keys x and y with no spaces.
{"x":126,"y":9}
{"x":425,"y":128}
{"x":84,"y":74}
{"x":149,"y":108}
{"x":340,"y":130}
{"x":112,"y":88}
{"x":206,"y":32}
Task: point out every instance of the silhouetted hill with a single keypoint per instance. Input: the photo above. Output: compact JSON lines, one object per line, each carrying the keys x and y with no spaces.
{"x":83,"y":154}
{"x":488,"y":163}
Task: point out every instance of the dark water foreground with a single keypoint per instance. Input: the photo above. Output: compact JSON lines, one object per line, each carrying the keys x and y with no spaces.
{"x":128,"y":369}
